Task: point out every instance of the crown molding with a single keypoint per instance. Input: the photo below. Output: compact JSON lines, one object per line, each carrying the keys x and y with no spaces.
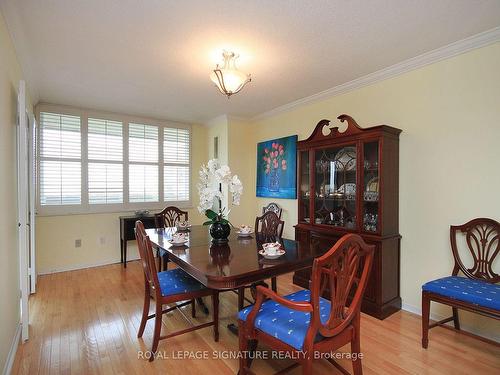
{"x":456,"y":48}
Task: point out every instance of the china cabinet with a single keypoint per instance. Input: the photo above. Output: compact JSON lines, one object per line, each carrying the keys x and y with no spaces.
{"x":348,"y":183}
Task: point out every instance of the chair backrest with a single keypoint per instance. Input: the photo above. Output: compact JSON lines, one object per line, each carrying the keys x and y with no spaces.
{"x":345,"y":269}
{"x":147,"y":259}
{"x":482,"y":237}
{"x":269,"y":227}
{"x":170,"y":216}
{"x":273,"y":207}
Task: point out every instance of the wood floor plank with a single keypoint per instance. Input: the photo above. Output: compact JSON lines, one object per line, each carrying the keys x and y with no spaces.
{"x":86,"y":322}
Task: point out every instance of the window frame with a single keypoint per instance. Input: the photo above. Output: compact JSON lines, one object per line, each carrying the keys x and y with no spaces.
{"x":85,"y":207}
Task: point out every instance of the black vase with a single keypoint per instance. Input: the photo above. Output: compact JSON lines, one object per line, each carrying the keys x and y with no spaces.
{"x":220,"y":232}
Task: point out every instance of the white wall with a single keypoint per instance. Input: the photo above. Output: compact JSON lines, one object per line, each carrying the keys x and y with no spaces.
{"x":56,"y":235}
{"x":449,"y":157}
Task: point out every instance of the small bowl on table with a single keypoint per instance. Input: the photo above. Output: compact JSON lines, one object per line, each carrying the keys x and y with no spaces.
{"x":245,"y":231}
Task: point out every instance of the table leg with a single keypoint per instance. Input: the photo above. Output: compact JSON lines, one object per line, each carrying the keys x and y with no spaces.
{"x":125,"y":254}
{"x":121,"y":250}
{"x":274,"y":285}
{"x":202,"y":305}
{"x":241,"y":298}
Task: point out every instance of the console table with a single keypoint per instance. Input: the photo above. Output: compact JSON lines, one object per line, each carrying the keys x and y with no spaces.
{"x":127,"y":226}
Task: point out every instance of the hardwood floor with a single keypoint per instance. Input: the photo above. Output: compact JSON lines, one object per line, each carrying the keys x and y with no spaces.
{"x":86,"y":322}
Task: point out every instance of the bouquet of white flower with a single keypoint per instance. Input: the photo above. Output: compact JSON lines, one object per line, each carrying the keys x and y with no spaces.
{"x":212,"y":176}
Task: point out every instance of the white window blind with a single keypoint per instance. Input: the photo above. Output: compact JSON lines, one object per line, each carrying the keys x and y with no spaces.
{"x":176,"y":143}
{"x":105,"y":161}
{"x":60,"y":160}
{"x":143,"y":146}
{"x":96,"y":162}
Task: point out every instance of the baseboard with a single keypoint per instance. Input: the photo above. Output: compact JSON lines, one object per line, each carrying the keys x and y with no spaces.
{"x":437,"y":317}
{"x":12,"y":352}
{"x":80,"y":267}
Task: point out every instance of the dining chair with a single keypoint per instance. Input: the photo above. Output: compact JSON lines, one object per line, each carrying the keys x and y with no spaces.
{"x":167,"y":218}
{"x":476,"y":289}
{"x":169,"y":287}
{"x":269,"y":228}
{"x":304,"y":322}
{"x":170,"y":216}
{"x":273,"y":207}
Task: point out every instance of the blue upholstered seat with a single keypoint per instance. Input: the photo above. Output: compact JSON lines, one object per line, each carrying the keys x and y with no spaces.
{"x":477,"y":292}
{"x":287,"y":325}
{"x":177,"y":281}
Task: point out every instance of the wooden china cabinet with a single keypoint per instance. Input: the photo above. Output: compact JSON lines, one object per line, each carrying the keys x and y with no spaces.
{"x":348,"y":183}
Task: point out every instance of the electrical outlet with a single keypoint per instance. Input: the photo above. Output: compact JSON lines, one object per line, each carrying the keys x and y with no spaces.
{"x":78,"y":243}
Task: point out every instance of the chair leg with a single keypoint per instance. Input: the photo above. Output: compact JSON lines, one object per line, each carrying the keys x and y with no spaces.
{"x":193,"y":308}
{"x":157,"y":332}
{"x":215,"y":306}
{"x":456,"y":321}
{"x":145,"y":309}
{"x":426,"y":306}
{"x":356,"y":347}
{"x":274,"y":285}
{"x":243,"y":347}
{"x":307,"y":367}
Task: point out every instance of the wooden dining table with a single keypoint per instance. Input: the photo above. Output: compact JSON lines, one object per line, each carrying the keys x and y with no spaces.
{"x":231,"y":265}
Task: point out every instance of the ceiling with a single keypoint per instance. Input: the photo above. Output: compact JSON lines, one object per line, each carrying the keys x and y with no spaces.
{"x":153,"y":57}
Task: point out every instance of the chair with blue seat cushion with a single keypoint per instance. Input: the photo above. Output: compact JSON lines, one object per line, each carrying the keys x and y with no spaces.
{"x":477,"y":290}
{"x":177,"y":281}
{"x":169,"y":287}
{"x":303,"y":323}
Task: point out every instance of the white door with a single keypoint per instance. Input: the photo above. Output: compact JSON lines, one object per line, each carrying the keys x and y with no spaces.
{"x":23,"y":204}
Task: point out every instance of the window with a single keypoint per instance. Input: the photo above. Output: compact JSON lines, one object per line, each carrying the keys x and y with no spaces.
{"x":105,"y":166}
{"x":143,"y":163}
{"x":60,"y":160}
{"x":175,"y":164}
{"x":98,"y":164}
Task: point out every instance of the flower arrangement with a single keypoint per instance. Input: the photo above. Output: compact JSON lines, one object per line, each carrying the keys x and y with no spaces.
{"x":274,"y":158}
{"x":212,"y":176}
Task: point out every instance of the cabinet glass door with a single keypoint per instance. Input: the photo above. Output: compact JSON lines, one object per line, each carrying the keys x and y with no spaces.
{"x":335,"y":187}
{"x":371,"y":167}
{"x":305,"y":187}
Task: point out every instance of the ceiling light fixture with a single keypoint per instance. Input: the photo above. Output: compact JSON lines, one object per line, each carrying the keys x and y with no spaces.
{"x":228,"y":79}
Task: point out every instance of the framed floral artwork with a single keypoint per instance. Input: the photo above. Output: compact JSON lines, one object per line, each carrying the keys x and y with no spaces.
{"x":277,"y":168}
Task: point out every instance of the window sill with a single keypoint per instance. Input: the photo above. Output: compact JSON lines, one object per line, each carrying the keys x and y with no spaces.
{"x":107,"y":209}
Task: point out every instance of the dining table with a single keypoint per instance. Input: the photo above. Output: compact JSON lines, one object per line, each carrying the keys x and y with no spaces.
{"x":233,"y":264}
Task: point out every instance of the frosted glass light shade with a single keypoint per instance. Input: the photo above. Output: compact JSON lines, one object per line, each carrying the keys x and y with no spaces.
{"x":228,"y":79}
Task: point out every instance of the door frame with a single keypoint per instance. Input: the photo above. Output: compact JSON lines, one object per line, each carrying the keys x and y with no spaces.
{"x":22,"y":206}
{"x":32,"y":144}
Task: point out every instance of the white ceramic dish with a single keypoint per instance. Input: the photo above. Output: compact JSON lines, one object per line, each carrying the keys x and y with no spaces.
{"x":279,"y":253}
{"x":180,"y":243}
{"x":245,"y":234}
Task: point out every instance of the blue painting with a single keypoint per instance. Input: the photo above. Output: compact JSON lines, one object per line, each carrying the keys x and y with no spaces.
{"x":277,"y":168}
